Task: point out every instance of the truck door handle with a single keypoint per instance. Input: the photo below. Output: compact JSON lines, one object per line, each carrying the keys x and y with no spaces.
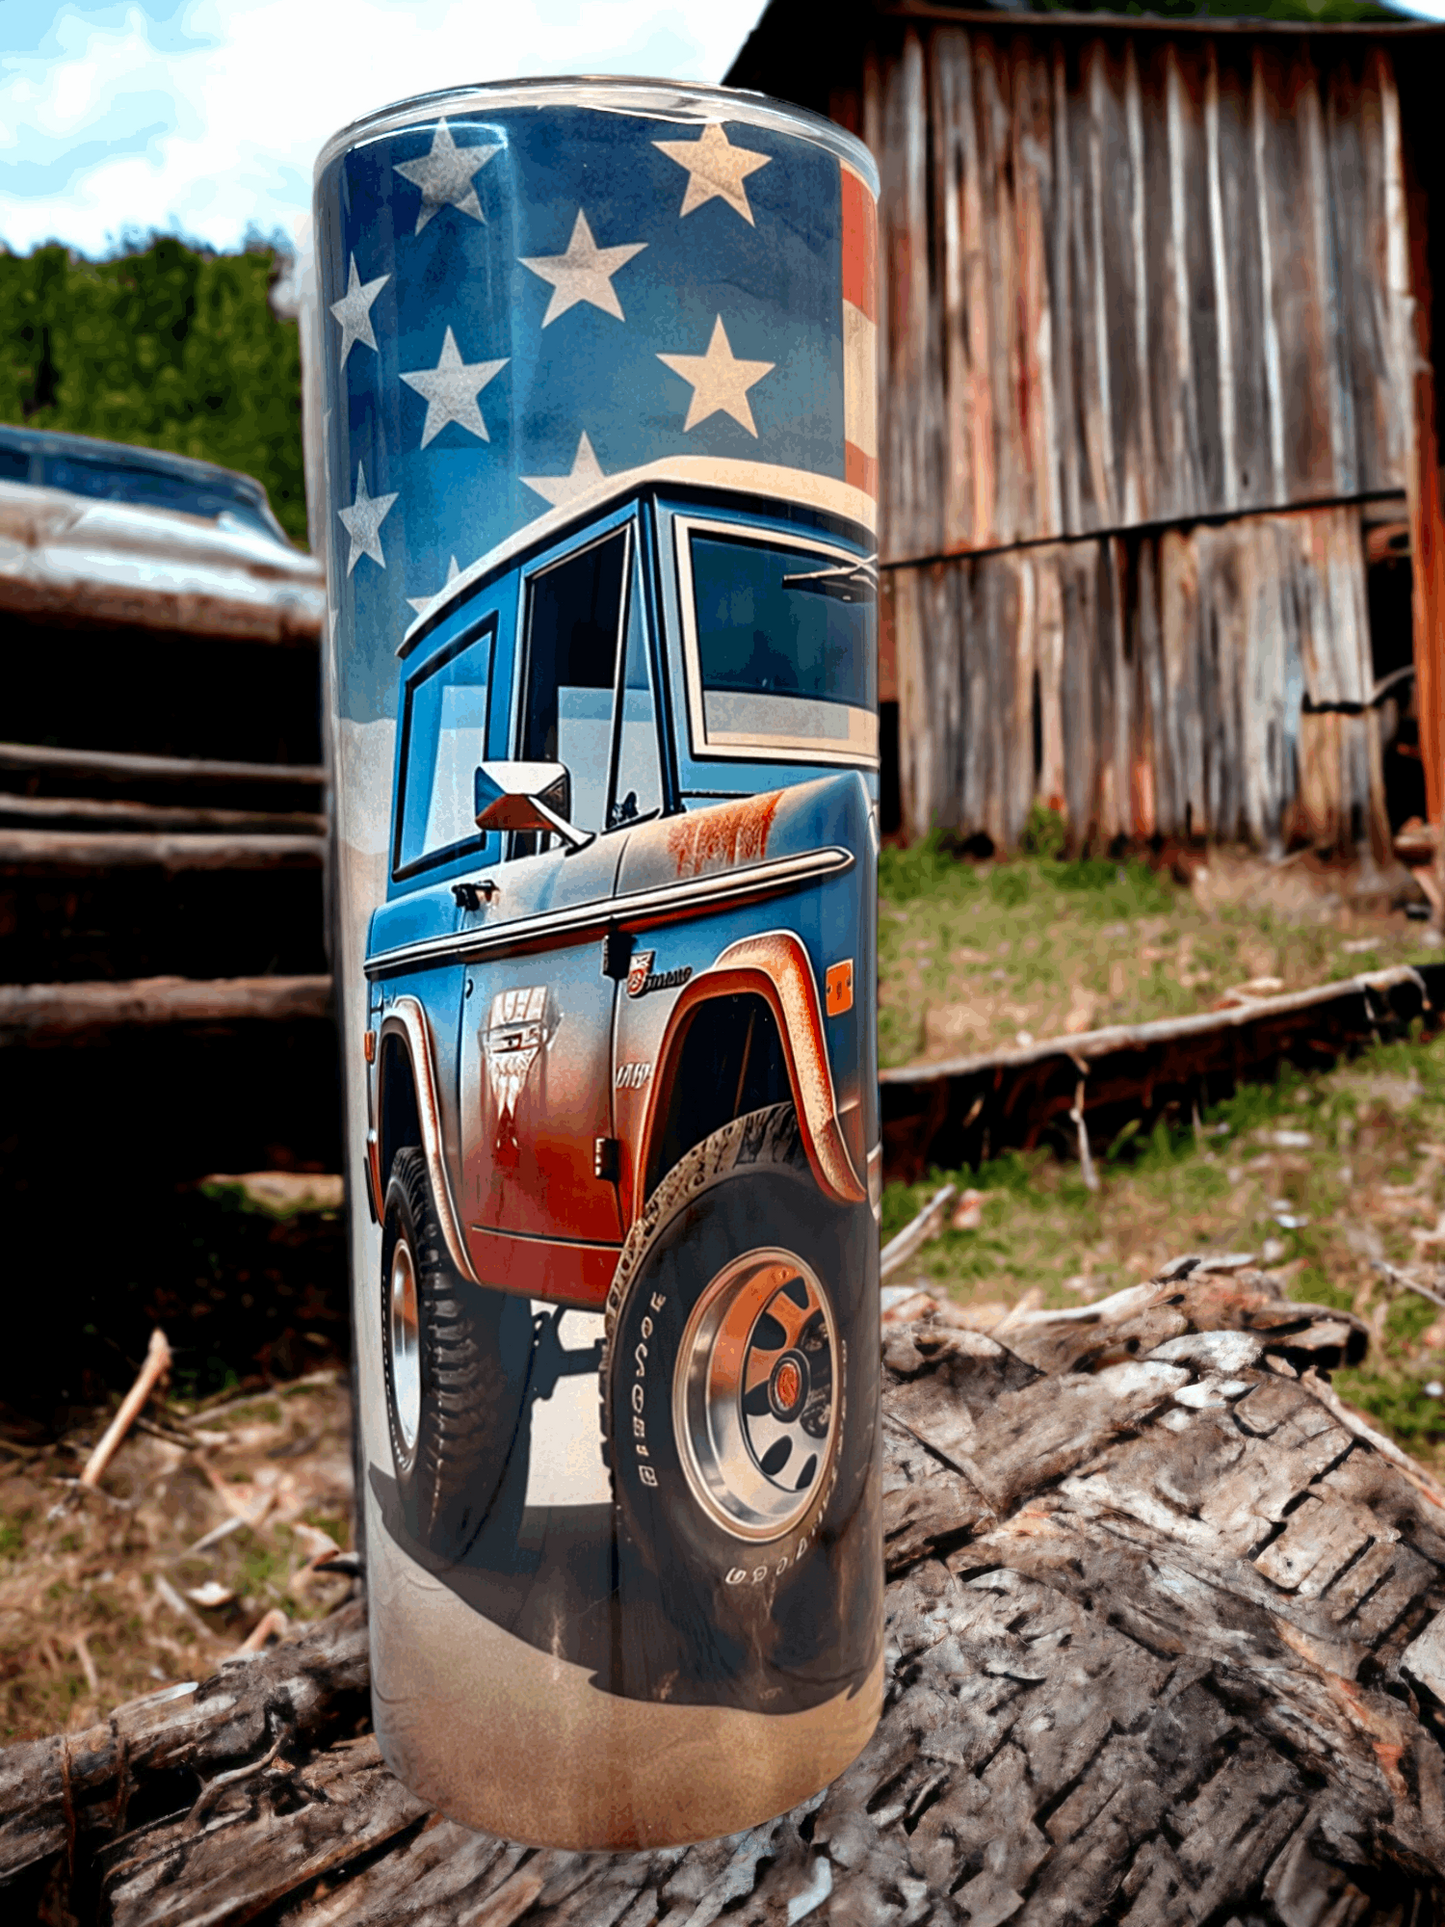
{"x":470,"y":896}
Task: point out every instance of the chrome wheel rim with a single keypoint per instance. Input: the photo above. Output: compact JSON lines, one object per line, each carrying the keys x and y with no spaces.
{"x":404,"y":1360}
{"x":756,"y":1394}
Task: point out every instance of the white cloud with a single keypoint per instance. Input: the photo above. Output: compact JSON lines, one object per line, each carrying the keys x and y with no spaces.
{"x":104,"y":130}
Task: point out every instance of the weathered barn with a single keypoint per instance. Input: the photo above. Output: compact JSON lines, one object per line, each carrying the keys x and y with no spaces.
{"x":1158,"y":420}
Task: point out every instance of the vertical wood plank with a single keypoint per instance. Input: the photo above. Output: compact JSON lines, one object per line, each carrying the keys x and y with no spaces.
{"x":1273,"y":377}
{"x":1223,"y":292}
{"x":1022,"y":775}
{"x":1099,"y":412}
{"x":1062,"y":299}
{"x":1251,"y":483}
{"x":1327,"y":317}
{"x":1407,"y":218}
{"x":1035,"y":189}
{"x":915,"y":724}
{"x":1145,"y":785}
{"x":1289,"y":85}
{"x":1179,"y":343}
{"x":1140,"y":485}
{"x":994,"y":305}
{"x":1049,"y":654}
{"x":959,"y":217}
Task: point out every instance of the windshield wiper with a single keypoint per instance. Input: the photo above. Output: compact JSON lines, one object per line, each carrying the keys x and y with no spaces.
{"x":844,"y":581}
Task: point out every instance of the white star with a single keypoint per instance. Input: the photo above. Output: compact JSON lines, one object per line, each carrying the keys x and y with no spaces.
{"x":363,"y":520}
{"x":715,"y":167}
{"x":583,"y":273}
{"x":445,"y":176}
{"x":720,"y":382}
{"x":557,"y":489}
{"x":421,"y":603}
{"x":451,"y":390}
{"x":353,"y":311}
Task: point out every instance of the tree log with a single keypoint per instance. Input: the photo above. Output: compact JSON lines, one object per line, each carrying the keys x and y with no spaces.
{"x":946,"y":1112}
{"x":40,"y":1013}
{"x":1162,"y":1646}
{"x":117,"y":765}
{"x":88,"y":853}
{"x":54,"y":811}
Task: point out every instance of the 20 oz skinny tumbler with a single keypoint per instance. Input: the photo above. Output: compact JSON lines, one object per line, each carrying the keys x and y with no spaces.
{"x":601,"y":465}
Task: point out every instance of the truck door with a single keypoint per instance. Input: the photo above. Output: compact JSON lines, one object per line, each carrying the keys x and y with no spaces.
{"x":541,"y":1203}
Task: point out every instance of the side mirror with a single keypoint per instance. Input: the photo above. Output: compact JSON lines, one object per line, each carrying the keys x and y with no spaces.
{"x":528,"y":797}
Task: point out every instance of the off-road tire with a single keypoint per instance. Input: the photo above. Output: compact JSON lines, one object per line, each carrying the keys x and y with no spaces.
{"x":776,"y":1624}
{"x":468,"y":1436}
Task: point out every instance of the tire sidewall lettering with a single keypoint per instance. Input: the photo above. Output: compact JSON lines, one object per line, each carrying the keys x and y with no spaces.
{"x":649,"y":1337}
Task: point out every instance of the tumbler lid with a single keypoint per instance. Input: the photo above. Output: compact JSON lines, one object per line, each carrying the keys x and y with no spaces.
{"x":667,"y":100}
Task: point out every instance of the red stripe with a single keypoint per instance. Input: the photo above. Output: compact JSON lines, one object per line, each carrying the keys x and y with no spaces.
{"x":860,"y":470}
{"x":860,"y":245}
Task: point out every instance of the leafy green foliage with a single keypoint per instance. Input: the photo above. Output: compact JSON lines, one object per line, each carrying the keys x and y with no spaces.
{"x":164,"y":346}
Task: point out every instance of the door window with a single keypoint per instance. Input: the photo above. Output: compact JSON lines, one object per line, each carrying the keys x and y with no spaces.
{"x":444,"y":737}
{"x":636,"y":777}
{"x":588,"y":700}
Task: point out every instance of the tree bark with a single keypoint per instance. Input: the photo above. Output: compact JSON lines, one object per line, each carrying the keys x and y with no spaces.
{"x":1162,"y":1647}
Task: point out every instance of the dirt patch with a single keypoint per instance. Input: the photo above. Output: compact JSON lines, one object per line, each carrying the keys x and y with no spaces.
{"x":207,"y":1520}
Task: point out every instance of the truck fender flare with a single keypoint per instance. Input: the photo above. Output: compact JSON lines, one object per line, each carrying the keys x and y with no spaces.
{"x":407,"y":1019}
{"x":775,"y":966}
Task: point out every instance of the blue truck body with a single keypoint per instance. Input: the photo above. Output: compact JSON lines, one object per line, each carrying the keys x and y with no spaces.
{"x":702,"y":839}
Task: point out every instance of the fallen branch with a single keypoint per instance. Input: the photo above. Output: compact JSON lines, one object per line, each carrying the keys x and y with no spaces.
{"x":1410,"y":1284}
{"x":917,"y":1232}
{"x":157,"y":1364}
{"x":960,"y":1111}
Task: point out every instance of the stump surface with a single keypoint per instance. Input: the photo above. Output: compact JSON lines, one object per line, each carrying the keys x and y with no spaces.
{"x":1163,"y":1648}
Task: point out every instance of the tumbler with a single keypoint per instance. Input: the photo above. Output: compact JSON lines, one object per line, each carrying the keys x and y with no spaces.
{"x":600,"y":458}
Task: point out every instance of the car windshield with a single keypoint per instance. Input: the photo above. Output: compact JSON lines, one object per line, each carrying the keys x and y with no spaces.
{"x":154,"y":488}
{"x":785,"y":652}
{"x":109,"y":478}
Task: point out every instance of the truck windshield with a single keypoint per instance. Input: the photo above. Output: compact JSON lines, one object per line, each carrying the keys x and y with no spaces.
{"x":783,"y":648}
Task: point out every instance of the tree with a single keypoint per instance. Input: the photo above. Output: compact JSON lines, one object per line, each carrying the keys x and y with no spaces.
{"x":162,"y":345}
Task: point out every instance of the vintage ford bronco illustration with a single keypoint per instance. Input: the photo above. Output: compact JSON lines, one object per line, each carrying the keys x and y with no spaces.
{"x":620,"y":1037}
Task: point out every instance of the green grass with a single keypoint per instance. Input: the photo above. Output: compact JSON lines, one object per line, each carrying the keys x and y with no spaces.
{"x":1374,"y":1123}
{"x":973,"y":954}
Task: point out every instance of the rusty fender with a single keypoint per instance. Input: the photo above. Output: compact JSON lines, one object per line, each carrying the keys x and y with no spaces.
{"x":407,"y":1019}
{"x":775,"y":967}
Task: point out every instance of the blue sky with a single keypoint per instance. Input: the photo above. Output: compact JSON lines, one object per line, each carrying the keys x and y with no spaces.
{"x":204,"y":118}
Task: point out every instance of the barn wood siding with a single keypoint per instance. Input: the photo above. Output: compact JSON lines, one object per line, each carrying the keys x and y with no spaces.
{"x":1131,"y":279}
{"x":1171,"y":682}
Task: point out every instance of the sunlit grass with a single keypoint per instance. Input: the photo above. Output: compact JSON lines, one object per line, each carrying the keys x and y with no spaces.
{"x":1369,"y":1185}
{"x":972,"y":956}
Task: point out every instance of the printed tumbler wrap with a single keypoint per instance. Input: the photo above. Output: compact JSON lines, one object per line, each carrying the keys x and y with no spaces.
{"x":599,"y":440}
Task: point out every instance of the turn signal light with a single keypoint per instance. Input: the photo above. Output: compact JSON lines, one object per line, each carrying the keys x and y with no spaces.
{"x":838,"y":988}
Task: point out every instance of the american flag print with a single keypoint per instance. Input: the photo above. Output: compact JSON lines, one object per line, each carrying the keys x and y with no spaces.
{"x":523,"y":297}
